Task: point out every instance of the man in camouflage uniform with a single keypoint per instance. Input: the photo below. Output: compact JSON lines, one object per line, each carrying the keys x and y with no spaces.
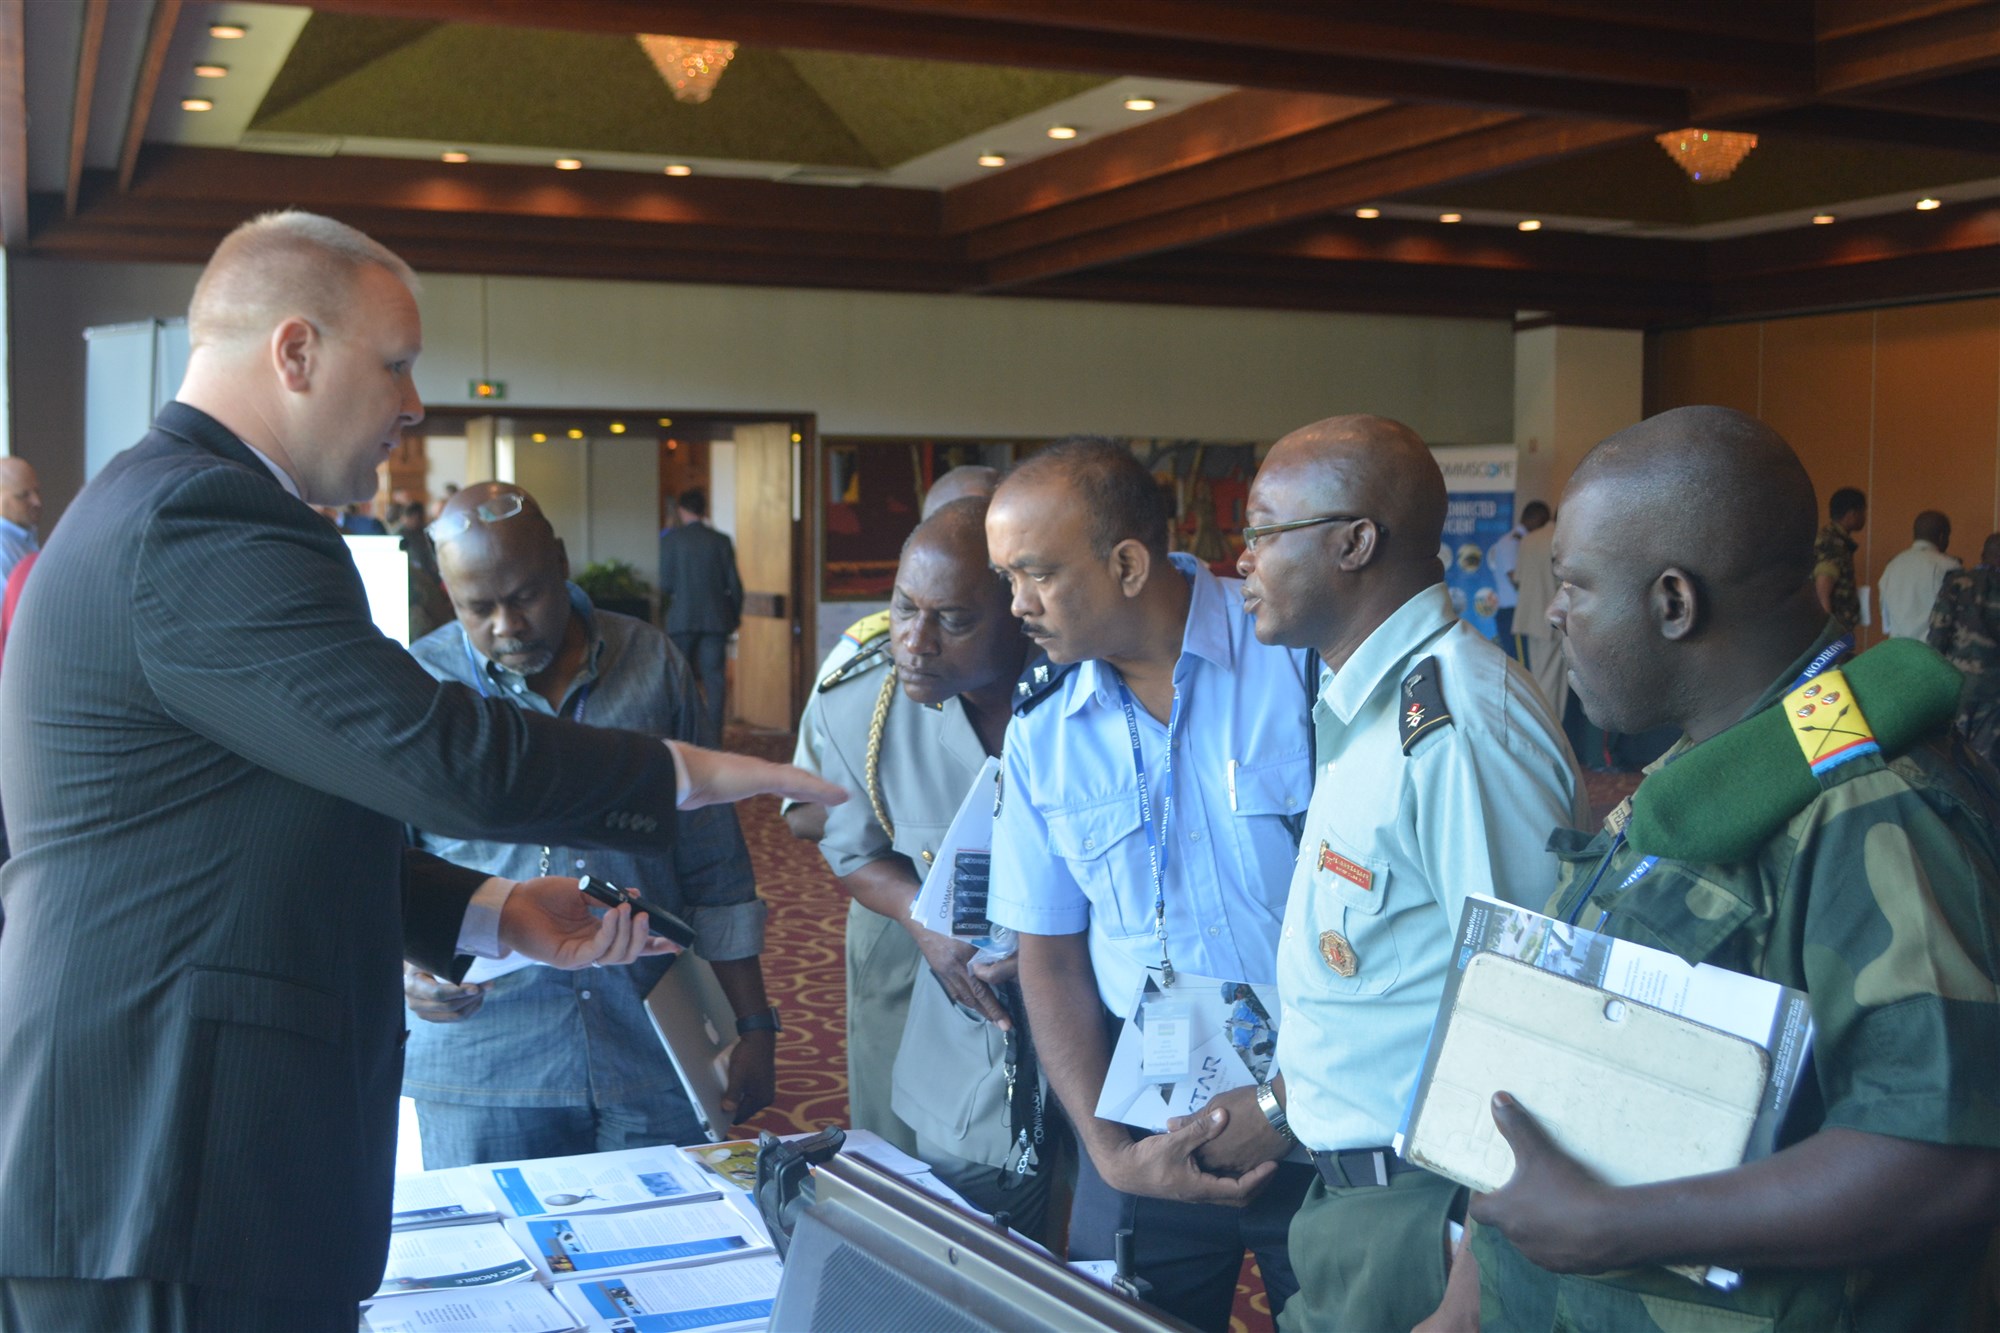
{"x":1965,"y":627}
{"x":1833,"y":556}
{"x":1877,"y":899}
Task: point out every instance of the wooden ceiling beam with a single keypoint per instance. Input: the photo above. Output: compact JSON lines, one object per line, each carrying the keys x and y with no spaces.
{"x":1928,"y":48}
{"x":1343,"y":144}
{"x":1452,"y":158}
{"x":14,"y":219}
{"x":1434,"y":33}
{"x":94,"y":14}
{"x":269,"y":180}
{"x":1949,"y":98}
{"x":818,"y":24}
{"x":159,"y":36}
{"x":1769,"y":21}
{"x":1874,"y":125}
{"x":1854,"y":18}
{"x":1225,"y":126}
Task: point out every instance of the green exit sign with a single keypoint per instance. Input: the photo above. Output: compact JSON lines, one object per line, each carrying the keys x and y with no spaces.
{"x":493,"y":390}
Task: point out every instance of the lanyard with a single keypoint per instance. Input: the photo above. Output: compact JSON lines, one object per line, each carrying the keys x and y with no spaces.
{"x":1826,"y":657}
{"x":1156,"y":838}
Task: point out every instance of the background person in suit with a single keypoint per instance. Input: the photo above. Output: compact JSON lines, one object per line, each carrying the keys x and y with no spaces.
{"x":211,"y":753}
{"x":701,"y":595}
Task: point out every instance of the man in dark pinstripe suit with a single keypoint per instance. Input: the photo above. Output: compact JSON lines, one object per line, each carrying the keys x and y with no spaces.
{"x":210,"y":756}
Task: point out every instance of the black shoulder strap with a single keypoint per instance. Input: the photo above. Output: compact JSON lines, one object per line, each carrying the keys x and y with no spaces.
{"x":873,"y":654}
{"x":1040,"y":678}
{"x":1423,"y":703}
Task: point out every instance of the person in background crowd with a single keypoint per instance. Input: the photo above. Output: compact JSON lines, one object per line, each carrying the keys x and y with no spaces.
{"x":1503,"y":558}
{"x":1440,"y":770}
{"x":1965,"y":627}
{"x":1873,"y":893}
{"x":702,"y":597}
{"x":541,"y":1062}
{"x":1540,"y":651}
{"x":1833,"y":556}
{"x":20,"y":512}
{"x":809,"y":822}
{"x":929,"y":1034}
{"x":358,"y":520}
{"x":1106,"y":870}
{"x":1909,"y":584}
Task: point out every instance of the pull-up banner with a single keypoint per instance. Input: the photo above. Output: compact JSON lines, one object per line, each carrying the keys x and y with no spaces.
{"x":1479,"y":479}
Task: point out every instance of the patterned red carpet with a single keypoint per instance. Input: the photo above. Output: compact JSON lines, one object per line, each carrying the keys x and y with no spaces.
{"x":805,"y":970}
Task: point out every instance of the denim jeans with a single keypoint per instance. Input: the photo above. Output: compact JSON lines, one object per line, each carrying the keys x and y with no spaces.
{"x":458,"y":1135}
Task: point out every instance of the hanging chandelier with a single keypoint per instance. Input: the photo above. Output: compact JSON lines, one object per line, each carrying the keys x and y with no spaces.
{"x":690,"y":65}
{"x":1707,"y":156}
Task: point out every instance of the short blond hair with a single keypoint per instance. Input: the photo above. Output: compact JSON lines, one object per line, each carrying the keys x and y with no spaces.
{"x":280,"y":265}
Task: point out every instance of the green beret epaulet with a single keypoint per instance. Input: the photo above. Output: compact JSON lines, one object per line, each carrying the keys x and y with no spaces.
{"x":873,"y":654}
{"x":1422,"y":703}
{"x":1040,"y":678}
{"x":1722,"y":800}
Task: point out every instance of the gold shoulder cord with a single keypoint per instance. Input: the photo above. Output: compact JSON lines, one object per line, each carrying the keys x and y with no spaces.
{"x":874,"y":765}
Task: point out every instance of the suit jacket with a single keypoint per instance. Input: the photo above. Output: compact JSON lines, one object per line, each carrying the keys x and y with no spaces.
{"x":699,"y":586}
{"x":211,"y":753}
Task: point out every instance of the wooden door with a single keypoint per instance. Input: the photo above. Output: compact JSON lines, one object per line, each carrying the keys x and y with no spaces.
{"x":765,"y":646}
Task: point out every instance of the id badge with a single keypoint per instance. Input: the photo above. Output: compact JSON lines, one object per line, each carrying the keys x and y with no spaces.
{"x":1166,"y":1029}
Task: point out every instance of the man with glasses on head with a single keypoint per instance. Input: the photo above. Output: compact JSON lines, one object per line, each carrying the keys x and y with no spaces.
{"x":1149,"y":815}
{"x":538,"y":1062}
{"x":1439,"y":772}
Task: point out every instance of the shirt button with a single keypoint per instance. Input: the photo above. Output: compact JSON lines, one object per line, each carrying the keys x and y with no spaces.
{"x":586,"y":995}
{"x":1194,"y":835}
{"x":1089,"y":843}
{"x":1214,"y":931}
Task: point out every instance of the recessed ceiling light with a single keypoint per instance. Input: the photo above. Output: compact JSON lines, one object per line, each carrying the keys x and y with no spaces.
{"x":228,"y":32}
{"x":1928,"y":204}
{"x":539,"y":438}
{"x":1062,"y":131}
{"x":679,"y":169}
{"x":211,"y":71}
{"x":798,"y":438}
{"x":1529,"y":224}
{"x":617,"y":428}
{"x":1368,"y":212}
{"x":1140,"y":104}
{"x":575,"y":434}
{"x":1821,"y":219}
{"x":455,"y":156}
{"x":992,"y":160}
{"x":196,"y":104}
{"x":568,"y":164}
{"x":666,"y":421}
{"x":1451,"y":217}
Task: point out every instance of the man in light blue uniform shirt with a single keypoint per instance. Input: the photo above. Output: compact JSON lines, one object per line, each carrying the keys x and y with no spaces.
{"x":1081,"y":534}
{"x":1439,"y":772}
{"x":20,"y":512}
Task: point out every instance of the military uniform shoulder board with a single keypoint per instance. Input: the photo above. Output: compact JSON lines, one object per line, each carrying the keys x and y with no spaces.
{"x":1422,"y":703}
{"x":874,"y":653}
{"x":1039,"y":679}
{"x":866,"y":628}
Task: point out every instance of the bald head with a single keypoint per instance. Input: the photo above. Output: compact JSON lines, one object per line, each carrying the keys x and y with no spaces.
{"x":467,"y":527}
{"x":282,"y":265}
{"x":955,"y":530}
{"x":20,"y":492}
{"x":949,"y":627}
{"x":1373,"y":467}
{"x":1712,"y":491}
{"x":961,"y":483}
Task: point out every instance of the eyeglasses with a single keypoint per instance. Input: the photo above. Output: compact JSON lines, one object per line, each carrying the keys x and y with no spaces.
{"x":502,"y":506}
{"x":1251,"y":536}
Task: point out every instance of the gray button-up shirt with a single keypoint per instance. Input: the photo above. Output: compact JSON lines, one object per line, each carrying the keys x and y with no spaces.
{"x":551,"y":1038}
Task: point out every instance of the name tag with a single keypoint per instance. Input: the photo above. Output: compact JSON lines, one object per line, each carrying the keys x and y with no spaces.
{"x":1168,"y":1032}
{"x":1351,"y":871}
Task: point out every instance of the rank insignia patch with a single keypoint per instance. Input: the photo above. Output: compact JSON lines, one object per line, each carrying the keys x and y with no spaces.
{"x":1338,"y":953}
{"x":1423,"y":704}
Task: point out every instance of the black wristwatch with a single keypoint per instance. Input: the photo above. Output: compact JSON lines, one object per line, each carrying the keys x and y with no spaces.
{"x":767,"y":1021}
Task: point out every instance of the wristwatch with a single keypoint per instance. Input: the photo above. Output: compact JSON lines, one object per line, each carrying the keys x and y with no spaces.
{"x":767,"y":1021}
{"x":1267,"y":1102}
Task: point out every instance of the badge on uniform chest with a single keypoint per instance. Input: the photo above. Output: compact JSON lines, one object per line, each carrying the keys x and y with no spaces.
{"x":1338,"y":953}
{"x":1353,"y":872}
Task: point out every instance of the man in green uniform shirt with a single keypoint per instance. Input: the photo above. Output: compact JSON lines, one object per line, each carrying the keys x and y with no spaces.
{"x":1965,"y":627}
{"x":1879,"y":898}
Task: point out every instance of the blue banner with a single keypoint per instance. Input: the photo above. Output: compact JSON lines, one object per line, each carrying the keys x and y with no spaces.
{"x":1479,"y":480}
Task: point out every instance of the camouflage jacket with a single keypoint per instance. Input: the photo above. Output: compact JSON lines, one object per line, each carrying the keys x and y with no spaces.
{"x":1965,"y":627}
{"x":1833,"y":555}
{"x":1880,"y":900}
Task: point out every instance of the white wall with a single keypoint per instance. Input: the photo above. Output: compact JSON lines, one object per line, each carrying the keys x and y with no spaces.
{"x":1572,"y":387}
{"x":864,"y":362}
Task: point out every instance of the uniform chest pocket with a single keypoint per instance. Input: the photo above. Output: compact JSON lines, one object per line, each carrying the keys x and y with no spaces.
{"x":1103,"y":848}
{"x":1278,"y":789}
{"x":1355,"y":939}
